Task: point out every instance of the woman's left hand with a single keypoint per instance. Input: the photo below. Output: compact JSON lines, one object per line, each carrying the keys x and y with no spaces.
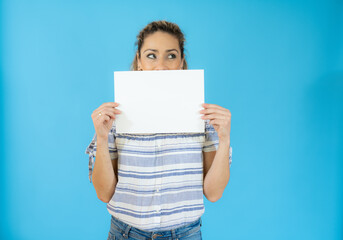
{"x":220,"y":118}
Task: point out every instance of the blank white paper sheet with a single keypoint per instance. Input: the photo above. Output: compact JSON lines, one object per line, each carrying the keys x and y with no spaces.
{"x":161,"y":101}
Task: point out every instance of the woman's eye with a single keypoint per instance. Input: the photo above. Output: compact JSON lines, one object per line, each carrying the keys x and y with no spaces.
{"x":171,"y":56}
{"x":151,"y":56}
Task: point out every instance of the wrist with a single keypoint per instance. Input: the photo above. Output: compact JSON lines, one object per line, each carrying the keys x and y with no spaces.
{"x":224,"y":143}
{"x":102,"y":140}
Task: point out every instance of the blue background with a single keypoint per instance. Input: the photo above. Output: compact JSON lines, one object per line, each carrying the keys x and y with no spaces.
{"x":276,"y":65}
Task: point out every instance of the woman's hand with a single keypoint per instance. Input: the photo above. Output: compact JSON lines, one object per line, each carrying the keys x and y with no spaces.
{"x":220,"y":118}
{"x":103,"y":118}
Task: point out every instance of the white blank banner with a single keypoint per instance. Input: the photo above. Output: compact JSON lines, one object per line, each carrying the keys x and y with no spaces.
{"x":162,"y":101}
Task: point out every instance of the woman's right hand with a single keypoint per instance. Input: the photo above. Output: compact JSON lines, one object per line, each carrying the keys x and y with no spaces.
{"x":103,"y":118}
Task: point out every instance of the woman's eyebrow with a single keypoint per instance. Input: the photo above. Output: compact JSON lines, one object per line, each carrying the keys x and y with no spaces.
{"x":169,"y":50}
{"x":154,"y":50}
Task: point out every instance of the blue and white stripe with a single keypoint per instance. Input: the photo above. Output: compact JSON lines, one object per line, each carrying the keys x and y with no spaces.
{"x":160,"y":176}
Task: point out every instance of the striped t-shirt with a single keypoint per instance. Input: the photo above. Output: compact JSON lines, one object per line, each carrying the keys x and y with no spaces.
{"x":160,"y":176}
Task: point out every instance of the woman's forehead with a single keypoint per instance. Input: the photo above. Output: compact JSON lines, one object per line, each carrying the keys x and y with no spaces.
{"x":160,"y":41}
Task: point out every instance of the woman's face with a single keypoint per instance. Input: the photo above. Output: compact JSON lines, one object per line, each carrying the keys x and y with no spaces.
{"x":160,"y":51}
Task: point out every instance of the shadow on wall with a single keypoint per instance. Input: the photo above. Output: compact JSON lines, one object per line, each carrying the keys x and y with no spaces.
{"x":324,"y":106}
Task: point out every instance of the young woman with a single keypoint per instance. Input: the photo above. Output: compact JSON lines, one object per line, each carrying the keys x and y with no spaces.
{"x":154,"y":184}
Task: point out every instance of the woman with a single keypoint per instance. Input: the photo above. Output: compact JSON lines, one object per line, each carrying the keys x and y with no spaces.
{"x":153,"y":184}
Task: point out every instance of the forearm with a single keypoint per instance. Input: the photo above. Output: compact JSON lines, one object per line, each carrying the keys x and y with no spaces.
{"x":218,"y":175}
{"x":104,"y":179}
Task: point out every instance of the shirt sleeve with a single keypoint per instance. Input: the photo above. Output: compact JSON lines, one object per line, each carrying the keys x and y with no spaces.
{"x":212,"y":141}
{"x":91,"y":150}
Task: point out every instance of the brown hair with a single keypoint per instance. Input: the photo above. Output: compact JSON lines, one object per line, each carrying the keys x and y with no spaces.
{"x":153,"y":27}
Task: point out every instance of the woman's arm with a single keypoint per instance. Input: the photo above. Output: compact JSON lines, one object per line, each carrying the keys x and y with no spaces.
{"x":217,"y":163}
{"x":104,"y":178}
{"x":216,"y":171}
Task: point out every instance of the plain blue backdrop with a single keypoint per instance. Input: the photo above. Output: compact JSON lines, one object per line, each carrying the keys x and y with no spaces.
{"x":276,"y":65}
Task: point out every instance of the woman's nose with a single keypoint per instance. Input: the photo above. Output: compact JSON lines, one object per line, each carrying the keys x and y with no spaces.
{"x":161,"y":66}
